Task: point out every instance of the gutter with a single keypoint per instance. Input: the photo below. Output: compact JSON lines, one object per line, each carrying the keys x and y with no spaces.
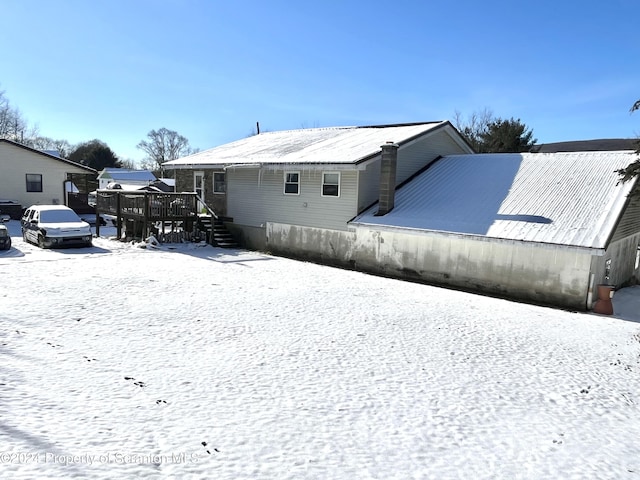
{"x":325,"y":167}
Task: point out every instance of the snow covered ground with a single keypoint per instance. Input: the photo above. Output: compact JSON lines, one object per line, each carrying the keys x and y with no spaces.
{"x":194,"y":362}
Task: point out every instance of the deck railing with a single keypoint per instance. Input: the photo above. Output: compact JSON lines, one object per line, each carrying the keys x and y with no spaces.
{"x":143,"y":210}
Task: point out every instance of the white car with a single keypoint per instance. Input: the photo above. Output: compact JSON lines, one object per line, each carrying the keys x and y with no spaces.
{"x":54,"y":226}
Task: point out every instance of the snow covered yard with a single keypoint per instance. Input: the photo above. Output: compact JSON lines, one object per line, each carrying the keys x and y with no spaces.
{"x":196,"y":362}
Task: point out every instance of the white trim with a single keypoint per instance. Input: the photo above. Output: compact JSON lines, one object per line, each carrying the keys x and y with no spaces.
{"x":284,"y":186}
{"x":322,"y":184}
{"x":218,"y":192}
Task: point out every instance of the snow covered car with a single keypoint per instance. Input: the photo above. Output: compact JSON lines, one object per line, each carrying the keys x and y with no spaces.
{"x":54,"y":226}
{"x":5,"y":238}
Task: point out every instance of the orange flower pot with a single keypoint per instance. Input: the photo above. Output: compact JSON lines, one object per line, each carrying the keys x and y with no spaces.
{"x":604,"y":305}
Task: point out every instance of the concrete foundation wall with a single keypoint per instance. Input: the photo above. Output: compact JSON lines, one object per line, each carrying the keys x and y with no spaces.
{"x":525,"y":272}
{"x":252,"y":238}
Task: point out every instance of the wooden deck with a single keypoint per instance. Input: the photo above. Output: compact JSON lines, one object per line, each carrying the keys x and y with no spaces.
{"x":141,"y":213}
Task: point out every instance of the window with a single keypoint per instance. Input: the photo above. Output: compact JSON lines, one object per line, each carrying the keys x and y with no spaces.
{"x":219,"y":182}
{"x":291,"y":183}
{"x":34,"y":182}
{"x":331,"y":184}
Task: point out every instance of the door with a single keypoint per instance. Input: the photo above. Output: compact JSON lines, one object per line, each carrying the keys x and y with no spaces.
{"x":198,"y":187}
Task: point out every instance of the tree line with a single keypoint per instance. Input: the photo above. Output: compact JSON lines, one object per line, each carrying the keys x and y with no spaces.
{"x":632,"y":170}
{"x":484,"y":132}
{"x":487,"y":133}
{"x":160,"y":145}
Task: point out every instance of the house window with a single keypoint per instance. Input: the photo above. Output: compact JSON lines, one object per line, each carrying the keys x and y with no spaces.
{"x":637,"y":257}
{"x":331,"y":184}
{"x":34,"y":182}
{"x":219,"y":182}
{"x":291,"y":183}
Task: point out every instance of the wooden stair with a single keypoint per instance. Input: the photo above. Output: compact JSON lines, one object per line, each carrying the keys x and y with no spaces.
{"x":216,"y":232}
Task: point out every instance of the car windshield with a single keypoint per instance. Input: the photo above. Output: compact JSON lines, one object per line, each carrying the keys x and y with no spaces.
{"x":58,"y":216}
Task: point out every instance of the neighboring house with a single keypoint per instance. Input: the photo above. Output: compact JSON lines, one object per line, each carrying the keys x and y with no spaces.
{"x":125,"y":176}
{"x":29,"y":176}
{"x":166,"y":184}
{"x":596,"y":145}
{"x":318,"y":178}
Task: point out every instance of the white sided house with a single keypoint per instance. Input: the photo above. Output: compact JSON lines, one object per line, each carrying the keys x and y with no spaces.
{"x":413,"y":201}
{"x":29,"y":176}
{"x":308,"y":182}
{"x":133,"y":179}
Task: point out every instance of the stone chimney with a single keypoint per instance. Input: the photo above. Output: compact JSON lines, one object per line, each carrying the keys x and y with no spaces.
{"x":387,"y":178}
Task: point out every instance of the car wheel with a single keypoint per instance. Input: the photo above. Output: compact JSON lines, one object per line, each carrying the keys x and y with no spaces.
{"x":41,"y":241}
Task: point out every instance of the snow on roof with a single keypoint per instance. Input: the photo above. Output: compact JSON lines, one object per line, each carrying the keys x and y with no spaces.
{"x":348,"y":145}
{"x":558,"y":198}
{"x":123,"y":174}
{"x":126,"y":187}
{"x":171,"y":182}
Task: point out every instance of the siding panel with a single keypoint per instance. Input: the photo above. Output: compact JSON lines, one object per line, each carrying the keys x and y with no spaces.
{"x":411,"y":158}
{"x":15,"y":162}
{"x":630,"y":222}
{"x":256,"y":197}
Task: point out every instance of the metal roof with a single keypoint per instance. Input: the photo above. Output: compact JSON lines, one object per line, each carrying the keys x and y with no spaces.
{"x":572,"y":199}
{"x":599,"y":144}
{"x":333,"y":145}
{"x":124,"y":174}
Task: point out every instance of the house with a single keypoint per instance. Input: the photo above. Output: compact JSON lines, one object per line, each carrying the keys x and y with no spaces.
{"x":125,"y":176}
{"x":413,"y":201}
{"x":595,"y":145}
{"x":31,"y":176}
{"x":540,"y":227}
{"x":316,"y":179}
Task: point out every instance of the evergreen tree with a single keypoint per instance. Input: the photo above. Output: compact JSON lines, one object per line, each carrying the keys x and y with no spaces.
{"x":488,"y":134}
{"x":94,"y":154}
{"x":633,"y":169}
{"x":506,"y":136}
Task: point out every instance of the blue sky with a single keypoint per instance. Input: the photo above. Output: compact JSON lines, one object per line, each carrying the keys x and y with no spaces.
{"x":116,"y":69}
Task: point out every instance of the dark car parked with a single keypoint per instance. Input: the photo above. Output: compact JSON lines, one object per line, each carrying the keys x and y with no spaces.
{"x":5,"y":238}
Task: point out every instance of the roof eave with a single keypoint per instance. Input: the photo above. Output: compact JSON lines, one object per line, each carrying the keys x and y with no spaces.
{"x":481,"y":238}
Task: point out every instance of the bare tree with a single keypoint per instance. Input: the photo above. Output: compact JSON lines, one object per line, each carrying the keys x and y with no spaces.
{"x":13,"y":126}
{"x":474,"y":127}
{"x":127,"y":163}
{"x":164,"y":145}
{"x":63,"y":147}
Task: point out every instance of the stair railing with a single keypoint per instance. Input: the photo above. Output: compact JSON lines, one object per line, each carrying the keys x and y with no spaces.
{"x":209,"y":209}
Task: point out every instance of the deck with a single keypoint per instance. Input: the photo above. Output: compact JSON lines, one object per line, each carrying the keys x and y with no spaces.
{"x":149,"y":213}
